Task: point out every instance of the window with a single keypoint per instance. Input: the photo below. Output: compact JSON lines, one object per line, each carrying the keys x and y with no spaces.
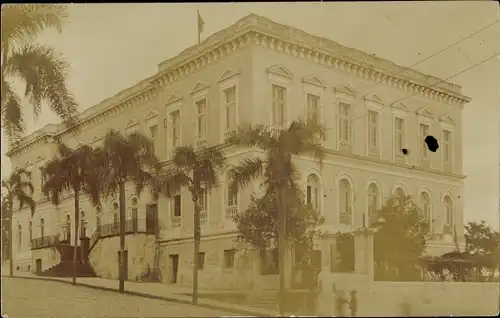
{"x":345,"y":202}
{"x":344,"y":127}
{"x":201,"y":121}
{"x":426,"y":206}
{"x":201,"y":260}
{"x":447,"y":149}
{"x":424,"y":151}
{"x":398,"y":136}
{"x":116,"y":215}
{"x":448,"y":214}
{"x":19,"y":235}
{"x":67,"y":228}
{"x":83,"y":224}
{"x":373,"y":133}
{"x":231,"y":197}
{"x":399,"y":196}
{"x":175,"y":119}
{"x":313,"y":108}
{"x":230,"y":107}
{"x":153,"y":133}
{"x":373,"y":203}
{"x":42,"y":227}
{"x":278,"y":105}
{"x":98,"y":219}
{"x":177,"y":205}
{"x":312,"y":192}
{"x":229,"y":258}
{"x":203,"y":201}
{"x":30,"y":228}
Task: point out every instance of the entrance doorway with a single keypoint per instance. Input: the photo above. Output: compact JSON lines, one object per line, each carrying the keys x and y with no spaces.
{"x":174,"y":262}
{"x":38,"y":266}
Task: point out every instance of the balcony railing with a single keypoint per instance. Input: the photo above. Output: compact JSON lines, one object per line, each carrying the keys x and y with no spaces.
{"x":203,"y":217}
{"x":131,"y":226}
{"x":176,"y":222}
{"x":44,"y":241}
{"x":231,"y":212}
{"x":201,"y":143}
{"x":345,"y":146}
{"x":373,"y":151}
{"x":345,"y":218}
{"x":230,"y":133}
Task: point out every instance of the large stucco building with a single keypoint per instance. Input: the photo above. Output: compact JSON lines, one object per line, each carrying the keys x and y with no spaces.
{"x":258,"y":71}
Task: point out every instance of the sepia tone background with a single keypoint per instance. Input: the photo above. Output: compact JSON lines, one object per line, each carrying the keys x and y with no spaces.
{"x":111,"y":47}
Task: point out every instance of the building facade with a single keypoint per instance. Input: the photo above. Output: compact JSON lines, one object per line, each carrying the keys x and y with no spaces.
{"x":258,"y":71}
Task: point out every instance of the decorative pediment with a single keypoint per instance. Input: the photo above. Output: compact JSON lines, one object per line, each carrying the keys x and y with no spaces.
{"x":198,"y":87}
{"x":447,"y":119}
{"x":345,"y":89}
{"x":132,"y":123}
{"x":227,"y":74}
{"x":280,"y":70}
{"x":151,"y":115}
{"x":373,"y":98}
{"x":424,"y":112}
{"x":40,"y":158}
{"x":95,"y":139}
{"x":28,"y":163}
{"x":173,"y":98}
{"x":314,"y":81}
{"x":401,"y":106}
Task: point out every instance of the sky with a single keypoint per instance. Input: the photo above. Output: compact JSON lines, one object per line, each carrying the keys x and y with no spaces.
{"x":113,"y":46}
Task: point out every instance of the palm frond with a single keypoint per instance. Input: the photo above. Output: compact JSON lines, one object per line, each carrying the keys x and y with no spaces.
{"x":11,"y":112}
{"x":259,"y":136}
{"x":23,"y":22}
{"x":184,"y":157}
{"x":246,"y":171}
{"x":169,"y":182}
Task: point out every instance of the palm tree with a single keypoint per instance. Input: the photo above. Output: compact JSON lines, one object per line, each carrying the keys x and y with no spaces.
{"x":73,"y":170}
{"x":126,"y":158}
{"x":301,"y":138}
{"x":198,"y":171}
{"x":40,"y":67}
{"x":16,"y":187}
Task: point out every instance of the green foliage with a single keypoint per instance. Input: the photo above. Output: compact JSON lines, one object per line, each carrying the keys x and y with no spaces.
{"x":345,"y":248}
{"x":400,"y":238}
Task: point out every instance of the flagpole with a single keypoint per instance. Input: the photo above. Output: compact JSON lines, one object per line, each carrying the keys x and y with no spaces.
{"x":198,"y":24}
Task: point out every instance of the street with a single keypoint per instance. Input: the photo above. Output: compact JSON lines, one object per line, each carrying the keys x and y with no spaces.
{"x":37,"y":298}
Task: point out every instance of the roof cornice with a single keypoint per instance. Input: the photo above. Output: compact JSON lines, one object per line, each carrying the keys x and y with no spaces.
{"x":255,"y":30}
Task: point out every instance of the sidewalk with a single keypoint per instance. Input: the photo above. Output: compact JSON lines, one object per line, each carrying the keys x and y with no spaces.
{"x":156,"y":291}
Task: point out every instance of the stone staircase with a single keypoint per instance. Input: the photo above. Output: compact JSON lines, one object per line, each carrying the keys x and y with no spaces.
{"x":65,"y":269}
{"x":267,"y":299}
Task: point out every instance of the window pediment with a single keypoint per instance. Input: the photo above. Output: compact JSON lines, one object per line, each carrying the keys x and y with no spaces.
{"x":173,"y":98}
{"x":424,"y":112}
{"x":132,"y":124}
{"x":446,"y":119}
{"x":316,"y":81}
{"x":200,"y":86}
{"x":280,"y":70}
{"x":373,"y":98}
{"x":227,"y":74}
{"x":153,"y":114}
{"x":345,"y":92}
{"x":40,"y":158}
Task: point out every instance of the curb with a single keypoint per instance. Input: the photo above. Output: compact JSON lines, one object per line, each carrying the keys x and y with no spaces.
{"x":169,"y":299}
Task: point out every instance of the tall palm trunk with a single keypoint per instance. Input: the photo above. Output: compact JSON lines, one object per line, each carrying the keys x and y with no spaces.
{"x":11,"y":241}
{"x":282,"y":248}
{"x":196,"y":241}
{"x":77,"y":221}
{"x":122,"y":238}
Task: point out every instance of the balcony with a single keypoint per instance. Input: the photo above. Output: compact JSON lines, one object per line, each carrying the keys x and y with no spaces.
{"x":345,"y":146}
{"x":345,"y":218}
{"x":230,"y":133}
{"x":131,"y":226}
{"x":373,"y":151}
{"x":276,"y":131}
{"x":425,"y":162}
{"x":203,"y":217}
{"x":231,"y":212}
{"x":201,"y":143}
{"x":44,"y":241}
{"x":175,"y":222}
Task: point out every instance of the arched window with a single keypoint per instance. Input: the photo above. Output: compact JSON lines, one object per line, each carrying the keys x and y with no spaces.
{"x":448,"y":215}
{"x":203,"y":201}
{"x":83,"y":224}
{"x":30,"y":228}
{"x":42,"y":227}
{"x":426,"y":206}
{"x":116,"y":215}
{"x":135,"y":213}
{"x":231,"y":196}
{"x":67,"y":228}
{"x":399,"y":196}
{"x":312,"y":192}
{"x":373,"y":203}
{"x":98,"y":219}
{"x":19,"y":235}
{"x":345,"y":202}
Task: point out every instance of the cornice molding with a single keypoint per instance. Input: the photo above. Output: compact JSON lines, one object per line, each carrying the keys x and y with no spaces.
{"x":258,"y":31}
